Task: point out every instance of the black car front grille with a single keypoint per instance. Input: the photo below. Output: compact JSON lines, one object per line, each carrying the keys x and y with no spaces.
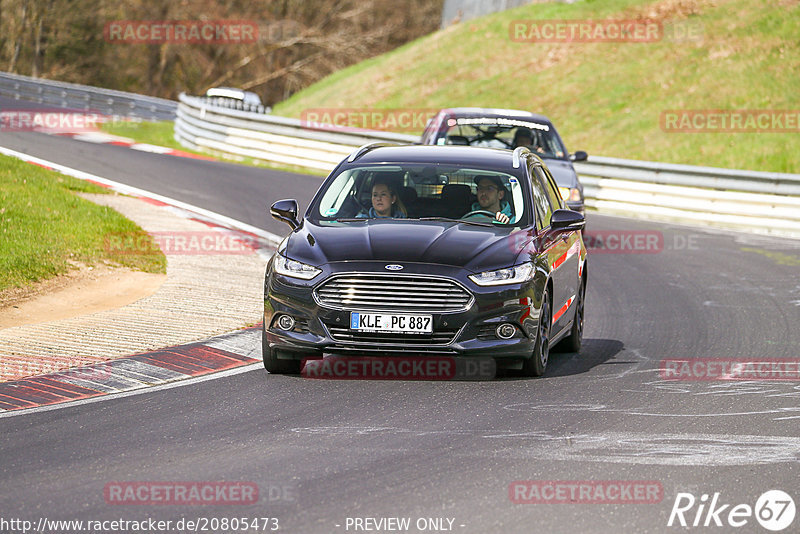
{"x":487,"y":332}
{"x":393,"y":293}
{"x":441,"y":336}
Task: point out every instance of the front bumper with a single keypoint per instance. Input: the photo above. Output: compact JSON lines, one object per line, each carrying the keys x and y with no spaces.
{"x":320,"y":330}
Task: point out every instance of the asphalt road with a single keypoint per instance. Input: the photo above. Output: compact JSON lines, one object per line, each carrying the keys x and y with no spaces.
{"x":325,"y":451}
{"x":241,"y":192}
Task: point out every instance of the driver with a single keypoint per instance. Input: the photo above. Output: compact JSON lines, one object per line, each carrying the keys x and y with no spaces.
{"x":491,"y":194}
{"x":524,"y":137}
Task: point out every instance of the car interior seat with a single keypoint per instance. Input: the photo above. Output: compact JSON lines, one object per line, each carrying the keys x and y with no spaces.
{"x":457,"y":140}
{"x":455,"y":200}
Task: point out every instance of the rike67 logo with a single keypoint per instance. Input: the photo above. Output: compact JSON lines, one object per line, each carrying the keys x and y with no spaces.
{"x":774,"y":510}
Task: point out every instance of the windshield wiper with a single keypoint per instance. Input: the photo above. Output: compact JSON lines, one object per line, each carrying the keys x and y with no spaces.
{"x":448,"y":219}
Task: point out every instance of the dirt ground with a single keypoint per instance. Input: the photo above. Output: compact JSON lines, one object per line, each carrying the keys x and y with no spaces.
{"x":81,"y":291}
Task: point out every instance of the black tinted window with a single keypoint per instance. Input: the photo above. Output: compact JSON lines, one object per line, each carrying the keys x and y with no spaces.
{"x":549,"y":188}
{"x":420,"y":191}
{"x":544,"y":211}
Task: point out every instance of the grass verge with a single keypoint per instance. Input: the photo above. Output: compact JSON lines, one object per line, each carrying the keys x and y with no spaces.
{"x":606,"y":98}
{"x":44,"y":226}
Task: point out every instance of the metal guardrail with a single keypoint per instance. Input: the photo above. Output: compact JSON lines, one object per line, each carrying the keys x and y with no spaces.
{"x":761,"y":202}
{"x":201,"y":125}
{"x":233,"y":103}
{"x":86,"y":98}
{"x":455,"y":11}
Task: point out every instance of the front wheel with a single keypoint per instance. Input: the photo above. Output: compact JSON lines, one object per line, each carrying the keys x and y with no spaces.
{"x":274,"y":365}
{"x":537,"y":363}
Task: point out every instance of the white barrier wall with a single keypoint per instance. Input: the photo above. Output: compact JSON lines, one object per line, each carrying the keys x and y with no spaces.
{"x":760,"y":202}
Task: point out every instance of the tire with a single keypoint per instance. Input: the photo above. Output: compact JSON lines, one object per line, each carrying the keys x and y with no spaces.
{"x":273,"y":364}
{"x":572,"y":343}
{"x":536,"y":365}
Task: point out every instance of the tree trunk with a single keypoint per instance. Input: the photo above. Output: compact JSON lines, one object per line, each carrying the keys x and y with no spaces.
{"x":20,"y":36}
{"x":36,"y":63}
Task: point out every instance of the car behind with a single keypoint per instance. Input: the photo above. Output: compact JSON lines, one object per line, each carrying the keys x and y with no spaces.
{"x":490,"y":127}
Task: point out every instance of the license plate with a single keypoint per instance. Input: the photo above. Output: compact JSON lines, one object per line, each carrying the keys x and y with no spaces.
{"x":391,"y":322}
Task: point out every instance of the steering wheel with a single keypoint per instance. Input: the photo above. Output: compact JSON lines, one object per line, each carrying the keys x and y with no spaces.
{"x":479,"y":212}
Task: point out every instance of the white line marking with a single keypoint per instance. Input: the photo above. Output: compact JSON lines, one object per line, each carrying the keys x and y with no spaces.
{"x":100,"y":137}
{"x":605,"y":447}
{"x":218,"y":218}
{"x":135,"y":191}
{"x":144,"y":147}
{"x":247,"y":343}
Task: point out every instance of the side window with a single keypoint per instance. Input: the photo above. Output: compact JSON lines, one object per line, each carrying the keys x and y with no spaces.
{"x":547,"y":185}
{"x":543,"y":209}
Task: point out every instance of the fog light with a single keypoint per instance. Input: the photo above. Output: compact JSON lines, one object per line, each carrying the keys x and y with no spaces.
{"x":286,"y":322}
{"x":506,"y":331}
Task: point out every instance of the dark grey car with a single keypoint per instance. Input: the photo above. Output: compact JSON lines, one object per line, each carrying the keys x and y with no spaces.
{"x":499,"y":128}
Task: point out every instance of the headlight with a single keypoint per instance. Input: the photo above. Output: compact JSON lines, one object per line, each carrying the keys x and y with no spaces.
{"x":511,"y":275}
{"x":294,"y":269}
{"x":571,"y":194}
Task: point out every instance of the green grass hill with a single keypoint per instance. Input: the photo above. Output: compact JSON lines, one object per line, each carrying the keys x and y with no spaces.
{"x":605,"y":98}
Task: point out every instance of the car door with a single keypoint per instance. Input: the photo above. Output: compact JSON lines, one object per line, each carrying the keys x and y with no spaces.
{"x":551,"y":248}
{"x":563,"y":250}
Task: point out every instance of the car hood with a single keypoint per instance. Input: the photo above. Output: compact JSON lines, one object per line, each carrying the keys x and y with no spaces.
{"x":563,"y":172}
{"x":474,"y":248}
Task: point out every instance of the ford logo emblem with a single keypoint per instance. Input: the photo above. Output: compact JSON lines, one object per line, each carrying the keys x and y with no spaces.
{"x":394,"y":267}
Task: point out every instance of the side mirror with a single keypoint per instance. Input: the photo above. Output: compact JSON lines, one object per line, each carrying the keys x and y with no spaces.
{"x":286,"y":211}
{"x":579,"y":155}
{"x":567,"y":220}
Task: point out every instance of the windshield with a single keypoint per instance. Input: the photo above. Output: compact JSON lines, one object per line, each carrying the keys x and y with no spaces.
{"x":498,"y":132}
{"x":417,"y":191}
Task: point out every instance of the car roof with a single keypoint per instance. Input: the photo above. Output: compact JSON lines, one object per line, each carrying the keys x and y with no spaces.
{"x":496,"y":112}
{"x":495,"y":158}
{"x":229,"y":92}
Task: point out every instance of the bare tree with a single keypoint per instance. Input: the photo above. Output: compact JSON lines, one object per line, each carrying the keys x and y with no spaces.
{"x":21,"y":27}
{"x":300,"y":41}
